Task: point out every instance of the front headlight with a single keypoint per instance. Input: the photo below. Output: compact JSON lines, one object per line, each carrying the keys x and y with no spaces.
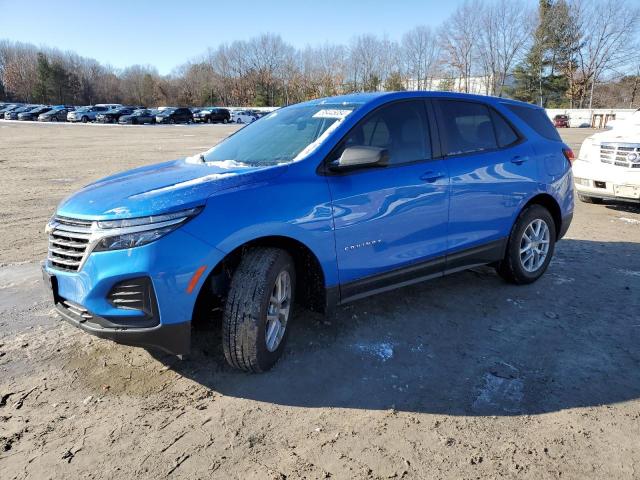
{"x":586,"y":149}
{"x":135,"y":232}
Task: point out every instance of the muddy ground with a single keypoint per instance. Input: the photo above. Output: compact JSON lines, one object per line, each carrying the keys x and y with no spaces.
{"x":462,"y":377}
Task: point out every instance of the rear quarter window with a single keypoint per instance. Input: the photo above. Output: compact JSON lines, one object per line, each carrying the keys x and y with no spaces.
{"x":537,"y":119}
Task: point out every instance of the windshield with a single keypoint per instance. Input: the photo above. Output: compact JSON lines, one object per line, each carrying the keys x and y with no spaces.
{"x":83,"y":109}
{"x":167,"y":111}
{"x":283,"y":136}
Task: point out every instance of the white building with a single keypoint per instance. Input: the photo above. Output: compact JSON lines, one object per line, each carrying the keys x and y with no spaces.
{"x":480,"y":85}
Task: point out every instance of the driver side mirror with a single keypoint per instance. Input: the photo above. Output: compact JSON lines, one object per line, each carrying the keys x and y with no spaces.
{"x":361,"y":156}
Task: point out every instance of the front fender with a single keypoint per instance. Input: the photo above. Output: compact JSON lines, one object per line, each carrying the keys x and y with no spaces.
{"x":287,"y":206}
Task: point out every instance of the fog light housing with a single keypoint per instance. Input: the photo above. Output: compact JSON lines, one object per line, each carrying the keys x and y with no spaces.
{"x":134,"y":294}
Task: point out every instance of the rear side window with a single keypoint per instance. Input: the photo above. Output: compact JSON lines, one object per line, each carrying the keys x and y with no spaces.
{"x":401,"y":128}
{"x":505,"y":134}
{"x":537,"y":119}
{"x":467,"y":127}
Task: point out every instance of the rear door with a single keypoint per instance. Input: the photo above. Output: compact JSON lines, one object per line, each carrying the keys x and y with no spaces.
{"x":390,"y":222}
{"x":492,"y":170}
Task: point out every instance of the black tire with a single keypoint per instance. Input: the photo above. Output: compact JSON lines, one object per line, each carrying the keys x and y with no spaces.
{"x":224,"y":120}
{"x":587,"y":199}
{"x":511,"y":268}
{"x":245,"y":313}
{"x":172,"y":121}
{"x":84,"y":120}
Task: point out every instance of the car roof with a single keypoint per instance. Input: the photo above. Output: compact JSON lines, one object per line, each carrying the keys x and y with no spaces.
{"x":382,"y":97}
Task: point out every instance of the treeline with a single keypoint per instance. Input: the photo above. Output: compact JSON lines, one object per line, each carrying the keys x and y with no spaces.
{"x":564,"y":53}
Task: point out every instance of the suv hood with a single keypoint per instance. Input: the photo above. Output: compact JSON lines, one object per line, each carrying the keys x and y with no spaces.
{"x":619,"y":134}
{"x":160,"y":188}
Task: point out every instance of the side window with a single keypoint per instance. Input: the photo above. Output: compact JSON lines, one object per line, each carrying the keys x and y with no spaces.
{"x":537,"y":119}
{"x":467,"y":127}
{"x":401,"y":128}
{"x":505,"y":133}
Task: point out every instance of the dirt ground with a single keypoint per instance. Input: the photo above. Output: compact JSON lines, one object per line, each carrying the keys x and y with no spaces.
{"x":463,"y":377}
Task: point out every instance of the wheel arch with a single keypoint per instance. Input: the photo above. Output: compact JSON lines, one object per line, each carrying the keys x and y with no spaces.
{"x":551,"y":204}
{"x":310,"y":288}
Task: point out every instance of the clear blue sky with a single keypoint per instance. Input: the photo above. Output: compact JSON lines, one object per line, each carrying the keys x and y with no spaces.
{"x":166,"y":33}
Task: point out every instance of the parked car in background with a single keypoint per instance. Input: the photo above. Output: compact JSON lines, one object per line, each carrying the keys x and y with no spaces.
{"x":13,"y":113}
{"x":139,"y":117}
{"x":608,"y":165}
{"x":174,"y":115}
{"x":34,"y":113}
{"x":212,"y":115}
{"x":9,"y":107}
{"x":113,"y":115}
{"x":109,"y":105}
{"x":561,"y":121}
{"x":86,"y":114}
{"x":57,"y":114}
{"x":243,"y":116}
{"x":390,"y":189}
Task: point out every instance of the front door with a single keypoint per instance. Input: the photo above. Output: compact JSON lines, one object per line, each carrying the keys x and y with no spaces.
{"x":390,"y":222}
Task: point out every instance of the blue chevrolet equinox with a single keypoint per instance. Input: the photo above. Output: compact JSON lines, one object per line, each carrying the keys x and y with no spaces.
{"x":321,"y":203}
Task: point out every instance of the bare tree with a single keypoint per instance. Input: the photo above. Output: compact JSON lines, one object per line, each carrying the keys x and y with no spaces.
{"x":459,"y":36}
{"x":421,"y":53}
{"x":505,"y":28}
{"x":608,"y":39}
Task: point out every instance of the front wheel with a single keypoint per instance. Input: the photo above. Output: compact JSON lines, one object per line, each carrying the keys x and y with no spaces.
{"x":530,"y":246}
{"x":84,"y":120}
{"x":258,"y":309}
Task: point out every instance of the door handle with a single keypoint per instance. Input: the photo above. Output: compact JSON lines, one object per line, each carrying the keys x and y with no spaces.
{"x":431,"y":176}
{"x":518,"y":160}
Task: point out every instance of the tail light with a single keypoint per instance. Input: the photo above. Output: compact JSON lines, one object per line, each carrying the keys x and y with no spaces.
{"x":568,"y":154}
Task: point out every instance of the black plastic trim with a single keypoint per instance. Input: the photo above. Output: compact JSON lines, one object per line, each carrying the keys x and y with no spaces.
{"x":170,"y":338}
{"x":418,"y":272}
{"x":564,"y":226}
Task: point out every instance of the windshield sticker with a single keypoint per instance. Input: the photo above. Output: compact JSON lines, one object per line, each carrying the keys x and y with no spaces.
{"x":332,"y":113}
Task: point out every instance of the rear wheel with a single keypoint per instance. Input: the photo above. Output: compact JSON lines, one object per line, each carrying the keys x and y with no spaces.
{"x":530,"y":246}
{"x":258,"y":309}
{"x":588,"y":199}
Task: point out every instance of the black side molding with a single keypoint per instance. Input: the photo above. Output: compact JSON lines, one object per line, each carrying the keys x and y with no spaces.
{"x":418,"y":272}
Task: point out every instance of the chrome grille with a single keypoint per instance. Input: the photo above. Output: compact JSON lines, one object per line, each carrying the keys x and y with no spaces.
{"x":68,"y":242}
{"x":617,"y":154}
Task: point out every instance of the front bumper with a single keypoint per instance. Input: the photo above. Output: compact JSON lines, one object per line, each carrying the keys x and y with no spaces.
{"x":81,"y":297}
{"x":171,"y":338}
{"x":607,"y":181}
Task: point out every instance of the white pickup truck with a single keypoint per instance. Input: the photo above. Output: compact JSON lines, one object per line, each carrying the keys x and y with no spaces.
{"x":608,"y":165}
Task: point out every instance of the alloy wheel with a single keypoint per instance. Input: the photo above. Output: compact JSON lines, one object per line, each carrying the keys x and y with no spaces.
{"x":278,"y":311}
{"x":534,"y":245}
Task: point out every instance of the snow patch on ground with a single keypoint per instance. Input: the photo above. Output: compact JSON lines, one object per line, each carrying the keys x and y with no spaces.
{"x":631,"y":273}
{"x":499,"y":393}
{"x":380,"y":350}
{"x":561,"y":280}
{"x":632,"y":221}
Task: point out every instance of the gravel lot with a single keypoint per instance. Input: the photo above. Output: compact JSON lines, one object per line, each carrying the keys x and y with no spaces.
{"x":462,"y":377}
